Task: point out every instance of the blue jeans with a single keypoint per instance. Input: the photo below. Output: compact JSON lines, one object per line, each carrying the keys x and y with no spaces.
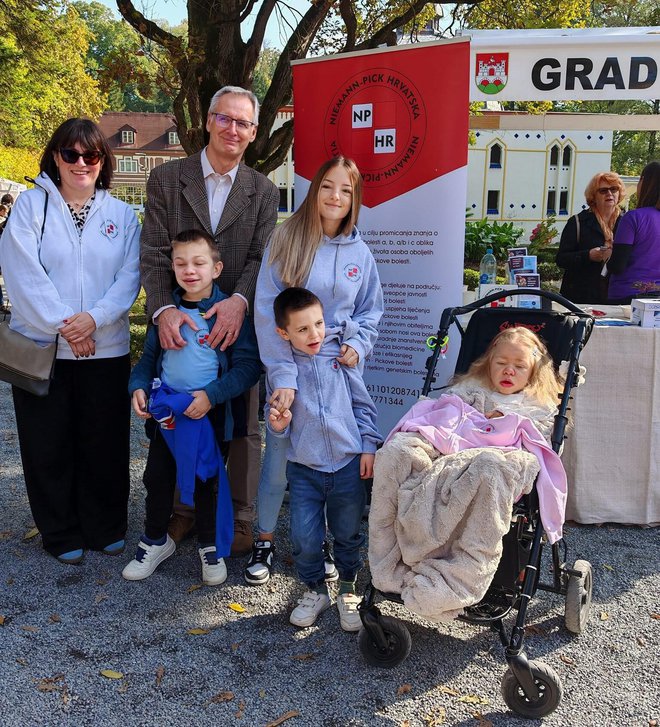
{"x":272,"y":483}
{"x":313,"y":495}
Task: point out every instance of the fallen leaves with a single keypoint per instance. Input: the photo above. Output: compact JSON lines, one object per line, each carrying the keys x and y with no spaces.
{"x":220,"y":697}
{"x":2,"y":620}
{"x":31,"y":629}
{"x":55,"y":684}
{"x":472,"y":699}
{"x":111,"y":674}
{"x":193,"y":588}
{"x":101,"y":597}
{"x":656,"y":616}
{"x":403,"y":689}
{"x":448,"y":690}
{"x":55,"y":618}
{"x":608,"y":567}
{"x":604,"y":616}
{"x":567,"y":660}
{"x":236,"y":607}
{"x":435,"y":717}
{"x":481,"y":720}
{"x":283,"y":718}
{"x":160,"y":673}
{"x":198,"y":631}
{"x":240,"y":711}
{"x":303,"y":657}
{"x":31,"y":533}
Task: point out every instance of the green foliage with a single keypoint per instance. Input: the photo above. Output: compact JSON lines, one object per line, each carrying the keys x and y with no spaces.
{"x":137,"y":319}
{"x":15,"y":164}
{"x":484,"y":233}
{"x":549,"y":271}
{"x":43,"y":81}
{"x":264,"y":71}
{"x":471,"y":278}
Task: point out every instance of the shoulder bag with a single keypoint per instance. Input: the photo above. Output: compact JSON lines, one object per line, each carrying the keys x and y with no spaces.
{"x":23,"y":362}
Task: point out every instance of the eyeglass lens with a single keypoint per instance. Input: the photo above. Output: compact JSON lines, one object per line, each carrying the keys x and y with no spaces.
{"x":605,"y":190}
{"x":225,"y":122}
{"x":71,"y":156}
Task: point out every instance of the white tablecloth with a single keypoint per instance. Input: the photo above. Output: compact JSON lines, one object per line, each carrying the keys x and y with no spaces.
{"x":612,"y":455}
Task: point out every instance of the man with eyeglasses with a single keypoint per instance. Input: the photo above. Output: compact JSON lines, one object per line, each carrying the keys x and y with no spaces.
{"x":214,"y":191}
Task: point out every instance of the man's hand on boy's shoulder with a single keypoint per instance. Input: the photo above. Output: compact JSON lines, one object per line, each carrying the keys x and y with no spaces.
{"x":230,"y":314}
{"x":279,"y":421}
{"x":366,"y":465}
{"x":199,"y":406}
{"x":169,"y":323}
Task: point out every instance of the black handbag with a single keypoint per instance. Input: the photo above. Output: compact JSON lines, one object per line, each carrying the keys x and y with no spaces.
{"x":23,"y":362}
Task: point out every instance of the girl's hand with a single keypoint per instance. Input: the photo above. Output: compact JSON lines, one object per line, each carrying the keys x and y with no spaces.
{"x":279,"y":421}
{"x":366,"y":466}
{"x":281,"y":399}
{"x":349,"y":356}
{"x":199,"y":406}
{"x":493,"y":414}
{"x":139,"y":402}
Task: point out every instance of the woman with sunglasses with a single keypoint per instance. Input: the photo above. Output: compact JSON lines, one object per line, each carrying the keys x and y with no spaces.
{"x":635,"y":263}
{"x":69,"y":256}
{"x":586,"y":241}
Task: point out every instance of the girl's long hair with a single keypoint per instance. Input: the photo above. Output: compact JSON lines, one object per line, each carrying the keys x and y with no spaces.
{"x":544,"y":384}
{"x":295,"y":242}
{"x":649,"y":192}
{"x":609,"y":179}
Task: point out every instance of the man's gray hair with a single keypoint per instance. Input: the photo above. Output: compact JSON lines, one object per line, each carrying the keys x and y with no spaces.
{"x":239,"y":92}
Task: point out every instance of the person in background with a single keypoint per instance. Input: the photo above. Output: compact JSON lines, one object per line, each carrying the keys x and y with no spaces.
{"x":78,"y":279}
{"x":586,"y":240}
{"x":635,"y":263}
{"x":319,"y":247}
{"x":5,"y":209}
{"x":214,"y":191}
{"x":200,"y":383}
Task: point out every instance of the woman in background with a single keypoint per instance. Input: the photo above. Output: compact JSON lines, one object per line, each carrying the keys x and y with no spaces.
{"x":586,"y":241}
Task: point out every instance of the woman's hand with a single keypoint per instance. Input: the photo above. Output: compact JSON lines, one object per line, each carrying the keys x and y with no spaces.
{"x":77,"y":327}
{"x":199,"y":406}
{"x":84,"y":348}
{"x":139,"y":402}
{"x":600,"y":254}
{"x":277,"y":421}
{"x":281,"y":399}
{"x":349,"y":356}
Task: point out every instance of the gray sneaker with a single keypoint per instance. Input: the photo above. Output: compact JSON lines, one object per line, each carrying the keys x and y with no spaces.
{"x":309,"y":607}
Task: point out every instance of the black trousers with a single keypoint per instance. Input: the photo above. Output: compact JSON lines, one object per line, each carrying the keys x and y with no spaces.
{"x":160,"y":480}
{"x":75,"y":451}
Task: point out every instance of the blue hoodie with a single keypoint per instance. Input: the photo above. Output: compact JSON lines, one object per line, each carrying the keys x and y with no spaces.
{"x":345,"y":279}
{"x":333,"y":418}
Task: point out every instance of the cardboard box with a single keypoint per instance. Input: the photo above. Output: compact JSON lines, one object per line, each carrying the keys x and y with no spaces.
{"x":645,"y":312}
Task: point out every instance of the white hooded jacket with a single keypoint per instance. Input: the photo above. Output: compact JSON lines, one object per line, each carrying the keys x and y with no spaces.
{"x":49,"y":279}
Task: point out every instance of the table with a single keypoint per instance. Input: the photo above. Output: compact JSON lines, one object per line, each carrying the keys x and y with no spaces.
{"x":612,"y":454}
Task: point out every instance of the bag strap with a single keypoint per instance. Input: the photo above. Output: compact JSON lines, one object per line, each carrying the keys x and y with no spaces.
{"x":43,"y":224}
{"x":577,"y":225}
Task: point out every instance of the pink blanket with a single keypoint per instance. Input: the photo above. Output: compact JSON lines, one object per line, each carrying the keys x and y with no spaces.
{"x":451,"y":425}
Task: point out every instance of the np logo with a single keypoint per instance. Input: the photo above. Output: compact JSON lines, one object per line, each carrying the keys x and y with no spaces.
{"x":202,"y":338}
{"x":335,"y":364}
{"x":491,"y":72}
{"x":109,"y":229}
{"x":353,"y":273}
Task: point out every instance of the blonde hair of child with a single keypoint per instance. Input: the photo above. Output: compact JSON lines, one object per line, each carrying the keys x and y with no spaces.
{"x":295,"y":242}
{"x":544,"y":383}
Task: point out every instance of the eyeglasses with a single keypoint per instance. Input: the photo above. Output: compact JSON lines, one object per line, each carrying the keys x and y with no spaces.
{"x":71,"y":156}
{"x":224,"y":122}
{"x":605,"y":190}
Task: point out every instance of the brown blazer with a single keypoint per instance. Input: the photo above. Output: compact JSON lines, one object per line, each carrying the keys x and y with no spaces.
{"x":177,"y":201}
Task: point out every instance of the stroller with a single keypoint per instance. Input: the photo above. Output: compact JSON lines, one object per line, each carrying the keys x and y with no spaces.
{"x":530,"y":688}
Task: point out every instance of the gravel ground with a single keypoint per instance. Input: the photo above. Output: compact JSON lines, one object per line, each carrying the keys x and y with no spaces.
{"x":63,"y":625}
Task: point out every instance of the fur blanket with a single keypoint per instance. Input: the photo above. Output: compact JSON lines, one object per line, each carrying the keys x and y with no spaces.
{"x":436,"y":522}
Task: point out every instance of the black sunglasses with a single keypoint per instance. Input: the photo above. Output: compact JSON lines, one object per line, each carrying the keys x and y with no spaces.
{"x":71,"y":156}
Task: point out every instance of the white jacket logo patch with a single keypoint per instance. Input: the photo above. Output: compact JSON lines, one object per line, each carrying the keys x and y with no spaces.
{"x":109,"y":229}
{"x":353,"y":273}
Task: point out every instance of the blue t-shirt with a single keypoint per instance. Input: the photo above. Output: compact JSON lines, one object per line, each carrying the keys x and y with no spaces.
{"x":196,"y":364}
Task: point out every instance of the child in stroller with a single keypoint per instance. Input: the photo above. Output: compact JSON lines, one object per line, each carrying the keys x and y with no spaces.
{"x":478,"y":491}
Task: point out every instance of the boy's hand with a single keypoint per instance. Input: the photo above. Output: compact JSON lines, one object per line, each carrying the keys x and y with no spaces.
{"x":366,"y":466}
{"x":230,"y":314}
{"x":282,"y":399}
{"x":169,"y":322}
{"x":349,"y":356}
{"x":139,"y":401}
{"x":279,"y":421}
{"x":199,"y":406}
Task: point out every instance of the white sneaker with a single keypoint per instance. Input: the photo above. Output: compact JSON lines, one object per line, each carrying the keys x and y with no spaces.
{"x":260,"y":565}
{"x":349,"y":616}
{"x":147,"y":559}
{"x":214,"y":570}
{"x":309,"y":607}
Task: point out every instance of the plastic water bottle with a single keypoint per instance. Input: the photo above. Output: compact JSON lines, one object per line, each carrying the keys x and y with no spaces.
{"x":487,"y":268}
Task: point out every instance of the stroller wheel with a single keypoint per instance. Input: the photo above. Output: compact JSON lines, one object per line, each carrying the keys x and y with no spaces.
{"x":548,"y":684}
{"x":578,"y":597}
{"x":398,"y":644}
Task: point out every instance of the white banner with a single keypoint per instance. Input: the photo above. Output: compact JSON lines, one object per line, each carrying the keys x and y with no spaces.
{"x":593,"y":64}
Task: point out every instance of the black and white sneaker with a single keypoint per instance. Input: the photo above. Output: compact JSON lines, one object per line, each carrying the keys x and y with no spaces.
{"x":259,"y":566}
{"x":331,"y":573}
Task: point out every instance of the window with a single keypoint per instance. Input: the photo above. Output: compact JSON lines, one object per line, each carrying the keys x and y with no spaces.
{"x":566,"y":156}
{"x":172,"y":138}
{"x":134,"y":196}
{"x":551,"y":207}
{"x":127,"y":137}
{"x":127,"y":165}
{"x":496,"y":156}
{"x":283,"y":201}
{"x":493,"y":202}
{"x":554,"y":156}
{"x":563,"y":202}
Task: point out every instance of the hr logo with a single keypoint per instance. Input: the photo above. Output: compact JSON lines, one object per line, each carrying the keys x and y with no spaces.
{"x":362,"y":117}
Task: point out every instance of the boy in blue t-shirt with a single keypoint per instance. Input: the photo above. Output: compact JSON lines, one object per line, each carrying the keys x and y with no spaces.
{"x":192,"y":389}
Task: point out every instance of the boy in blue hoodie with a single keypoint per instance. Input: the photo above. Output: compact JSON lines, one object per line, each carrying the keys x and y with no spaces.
{"x":332,"y":425}
{"x":189,"y":393}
